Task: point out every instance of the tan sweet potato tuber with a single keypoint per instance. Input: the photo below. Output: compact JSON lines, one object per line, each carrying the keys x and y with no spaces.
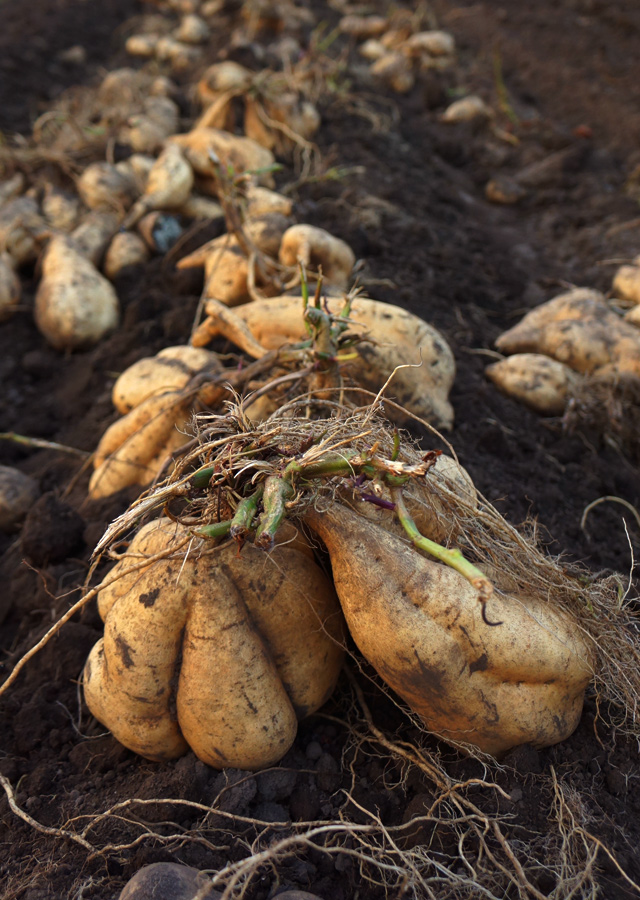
{"x":399,"y":338}
{"x":578,"y":329}
{"x":10,"y":287}
{"x":467,"y":109}
{"x":242,"y":643}
{"x":103,"y":186}
{"x":94,"y":233}
{"x":133,"y":449}
{"x":125,"y":250}
{"x":75,"y":305}
{"x":537,"y":381}
{"x":421,"y":626}
{"x":170,"y":369}
{"x":21,"y":227}
{"x":626,"y":283}
{"x":394,"y":69}
{"x":146,"y":131}
{"x":240,"y":153}
{"x":316,"y":248}
{"x":168,"y":185}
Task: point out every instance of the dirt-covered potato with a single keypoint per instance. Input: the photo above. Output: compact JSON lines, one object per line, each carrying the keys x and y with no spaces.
{"x":146,"y":131}
{"x":316,"y":248}
{"x":18,"y":493}
{"x":241,"y":645}
{"x":170,"y":369}
{"x":578,"y":329}
{"x":168,"y":881}
{"x":10,"y":287}
{"x":135,"y":447}
{"x":169,"y":184}
{"x":125,"y":250}
{"x":467,"y":109}
{"x":626,"y":283}
{"x":75,"y":305}
{"x":420,"y":625}
{"x":241,"y":154}
{"x":539,"y":382}
{"x":398,"y":338}
{"x":394,"y":69}
{"x":21,"y":227}
{"x":103,"y":186}
{"x":93,"y":234}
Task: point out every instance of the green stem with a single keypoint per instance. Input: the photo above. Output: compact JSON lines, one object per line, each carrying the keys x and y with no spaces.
{"x":277,"y":490}
{"x":41,"y":444}
{"x":244,"y":514}
{"x":331,"y":464}
{"x":217,"y":530}
{"x":452,"y":558}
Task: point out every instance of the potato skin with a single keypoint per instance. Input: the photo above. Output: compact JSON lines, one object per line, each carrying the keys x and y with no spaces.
{"x":535,"y":380}
{"x":220,"y":651}
{"x":129,"y":447}
{"x":75,"y":305}
{"x":420,"y":625}
{"x":400,"y":338}
{"x":128,"y":676}
{"x":579,"y":330}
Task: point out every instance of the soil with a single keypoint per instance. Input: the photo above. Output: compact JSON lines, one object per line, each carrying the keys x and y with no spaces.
{"x":412,"y":206}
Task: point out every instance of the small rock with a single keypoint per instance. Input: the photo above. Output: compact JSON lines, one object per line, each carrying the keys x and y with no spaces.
{"x":73,"y":56}
{"x":271,"y":812}
{"x":277,"y":784}
{"x":504,"y":190}
{"x":314,"y":751}
{"x":168,"y":881}
{"x":328,"y":774}
{"x":18,"y":493}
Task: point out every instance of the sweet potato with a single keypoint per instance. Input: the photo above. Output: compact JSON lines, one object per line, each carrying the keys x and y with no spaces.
{"x":400,"y":339}
{"x":626,"y":283}
{"x":316,"y":248}
{"x":146,"y":131}
{"x":125,"y":250}
{"x":94,"y":233}
{"x":192,"y":30}
{"x":420,"y":625}
{"x":102,"y":186}
{"x":170,"y":369}
{"x":537,"y":381}
{"x":61,"y":210}
{"x":249,"y":650}
{"x":21,"y":228}
{"x":132,"y":450}
{"x":240,"y":153}
{"x":578,"y":329}
{"x":467,"y":109}
{"x":394,"y":69}
{"x":75,"y":305}
{"x":168,"y":185}
{"x":10,"y":287}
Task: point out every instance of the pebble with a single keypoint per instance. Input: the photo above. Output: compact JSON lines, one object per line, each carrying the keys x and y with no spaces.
{"x":314,"y":751}
{"x":168,"y":881}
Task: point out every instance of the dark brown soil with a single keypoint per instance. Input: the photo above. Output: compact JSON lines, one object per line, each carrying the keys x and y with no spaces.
{"x":413,"y":209}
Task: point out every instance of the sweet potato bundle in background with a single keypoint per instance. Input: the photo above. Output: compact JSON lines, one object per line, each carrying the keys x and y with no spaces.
{"x":556,"y":346}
